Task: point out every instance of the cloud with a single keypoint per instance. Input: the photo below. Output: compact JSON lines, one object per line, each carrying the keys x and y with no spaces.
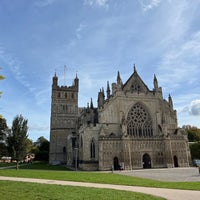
{"x":37,"y":127}
{"x":44,"y":3}
{"x":149,"y":4}
{"x":180,"y":64}
{"x":194,"y":107}
{"x":16,"y":66}
{"x":12,"y":62}
{"x":79,"y":30}
{"x":97,"y":3}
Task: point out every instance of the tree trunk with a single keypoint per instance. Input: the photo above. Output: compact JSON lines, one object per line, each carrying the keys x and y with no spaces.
{"x":17,"y":165}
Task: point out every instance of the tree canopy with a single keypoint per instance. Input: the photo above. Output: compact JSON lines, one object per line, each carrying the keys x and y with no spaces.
{"x":3,"y":134}
{"x":42,"y":152}
{"x":193,"y":134}
{"x":1,"y":78}
{"x":17,"y":138}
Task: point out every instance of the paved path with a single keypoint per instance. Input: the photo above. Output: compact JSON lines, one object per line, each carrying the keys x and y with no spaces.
{"x":188,"y":174}
{"x":170,"y":194}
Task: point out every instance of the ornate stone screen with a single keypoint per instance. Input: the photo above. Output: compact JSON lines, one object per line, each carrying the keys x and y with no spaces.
{"x":139,"y":123}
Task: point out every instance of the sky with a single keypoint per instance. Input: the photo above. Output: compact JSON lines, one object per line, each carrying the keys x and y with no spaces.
{"x":96,"y":39}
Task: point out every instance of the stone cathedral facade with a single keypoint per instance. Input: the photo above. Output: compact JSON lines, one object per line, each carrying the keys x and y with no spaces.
{"x":132,"y":127}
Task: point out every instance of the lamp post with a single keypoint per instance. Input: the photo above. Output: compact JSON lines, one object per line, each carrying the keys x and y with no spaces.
{"x":76,"y":157}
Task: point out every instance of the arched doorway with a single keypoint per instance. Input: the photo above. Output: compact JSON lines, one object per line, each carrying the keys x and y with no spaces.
{"x":175,"y":161}
{"x":116,"y":163}
{"x":146,"y":161}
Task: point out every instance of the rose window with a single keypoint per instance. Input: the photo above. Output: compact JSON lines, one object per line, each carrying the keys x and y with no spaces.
{"x":139,"y":123}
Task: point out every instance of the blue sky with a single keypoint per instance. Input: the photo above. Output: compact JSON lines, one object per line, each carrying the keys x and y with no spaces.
{"x":96,"y":38}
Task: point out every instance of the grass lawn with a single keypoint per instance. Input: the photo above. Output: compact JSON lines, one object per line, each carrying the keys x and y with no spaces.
{"x":34,"y":191}
{"x":7,"y":164}
{"x":94,"y":177}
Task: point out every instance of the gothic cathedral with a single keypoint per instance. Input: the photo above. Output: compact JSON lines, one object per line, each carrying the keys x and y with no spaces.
{"x":133,"y":127}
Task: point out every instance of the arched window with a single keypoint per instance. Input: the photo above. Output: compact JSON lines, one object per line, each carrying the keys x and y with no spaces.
{"x":139,"y":123}
{"x":92,"y":149}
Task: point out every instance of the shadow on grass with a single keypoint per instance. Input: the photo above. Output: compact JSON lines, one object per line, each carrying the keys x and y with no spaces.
{"x":40,"y":165}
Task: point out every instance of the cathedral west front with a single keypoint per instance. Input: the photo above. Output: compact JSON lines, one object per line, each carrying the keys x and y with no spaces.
{"x":132,"y":127}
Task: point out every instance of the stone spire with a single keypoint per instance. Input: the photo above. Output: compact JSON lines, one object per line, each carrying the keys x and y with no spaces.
{"x":55,"y":81}
{"x":170,"y":101}
{"x":101,"y":97}
{"x":91,"y":104}
{"x":108,"y":90}
{"x":119,"y":80}
{"x":134,"y":69}
{"x":155,"y":82}
{"x":76,"y":82}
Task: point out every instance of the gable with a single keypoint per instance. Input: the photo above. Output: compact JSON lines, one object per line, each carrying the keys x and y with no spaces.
{"x":135,"y":84}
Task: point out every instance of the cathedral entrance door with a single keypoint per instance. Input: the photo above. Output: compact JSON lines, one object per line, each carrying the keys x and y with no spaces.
{"x":146,"y":161}
{"x":116,"y":163}
{"x":175,"y":161}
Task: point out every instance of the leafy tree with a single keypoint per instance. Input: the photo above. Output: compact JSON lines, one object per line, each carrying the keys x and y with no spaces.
{"x":17,"y":139}
{"x":3,"y":128}
{"x":42,"y":152}
{"x":3,"y":135}
{"x":1,"y":78}
{"x":193,"y":134}
{"x":30,"y":147}
{"x":195,"y":150}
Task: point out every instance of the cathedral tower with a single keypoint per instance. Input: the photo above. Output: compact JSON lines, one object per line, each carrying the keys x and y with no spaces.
{"x":64,"y":120}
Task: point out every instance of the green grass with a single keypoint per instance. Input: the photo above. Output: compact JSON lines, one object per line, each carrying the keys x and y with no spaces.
{"x":44,"y":166}
{"x":44,"y":171}
{"x":7,"y":164}
{"x":33,"y":191}
{"x":98,"y":177}
{"x":36,"y":165}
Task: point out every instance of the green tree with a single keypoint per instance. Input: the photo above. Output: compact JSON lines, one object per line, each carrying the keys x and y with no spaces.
{"x":17,"y":139}
{"x":193,"y":133}
{"x":42,"y":152}
{"x":3,"y":135}
{"x":195,"y":150}
{"x":29,"y":146}
{"x":1,"y":78}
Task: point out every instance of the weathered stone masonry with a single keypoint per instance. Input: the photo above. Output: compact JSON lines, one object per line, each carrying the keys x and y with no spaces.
{"x":133,"y":127}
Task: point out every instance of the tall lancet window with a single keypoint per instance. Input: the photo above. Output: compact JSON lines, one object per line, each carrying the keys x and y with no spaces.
{"x":139,"y":123}
{"x":92,"y":149}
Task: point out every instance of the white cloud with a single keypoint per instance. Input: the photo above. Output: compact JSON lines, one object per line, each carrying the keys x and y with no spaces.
{"x":16,"y":66}
{"x":79,"y":30}
{"x":36,"y":127}
{"x":194,"y":107}
{"x":149,"y":4}
{"x":99,"y":3}
{"x":180,"y":64}
{"x":13,"y":63}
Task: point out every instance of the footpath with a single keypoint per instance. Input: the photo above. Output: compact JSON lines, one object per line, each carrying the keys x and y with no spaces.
{"x":170,"y":194}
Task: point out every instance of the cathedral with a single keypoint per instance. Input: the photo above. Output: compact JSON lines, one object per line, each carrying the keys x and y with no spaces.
{"x":132,"y":127}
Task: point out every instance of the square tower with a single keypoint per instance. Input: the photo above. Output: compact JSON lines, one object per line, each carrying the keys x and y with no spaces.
{"x":64,"y":122}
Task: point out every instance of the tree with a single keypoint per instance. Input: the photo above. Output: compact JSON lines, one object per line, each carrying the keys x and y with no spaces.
{"x":29,"y":146}
{"x":3,"y":135}
{"x":195,"y":150}
{"x":17,"y":139}
{"x":42,"y":152}
{"x":193,"y":133}
{"x":1,"y":78}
